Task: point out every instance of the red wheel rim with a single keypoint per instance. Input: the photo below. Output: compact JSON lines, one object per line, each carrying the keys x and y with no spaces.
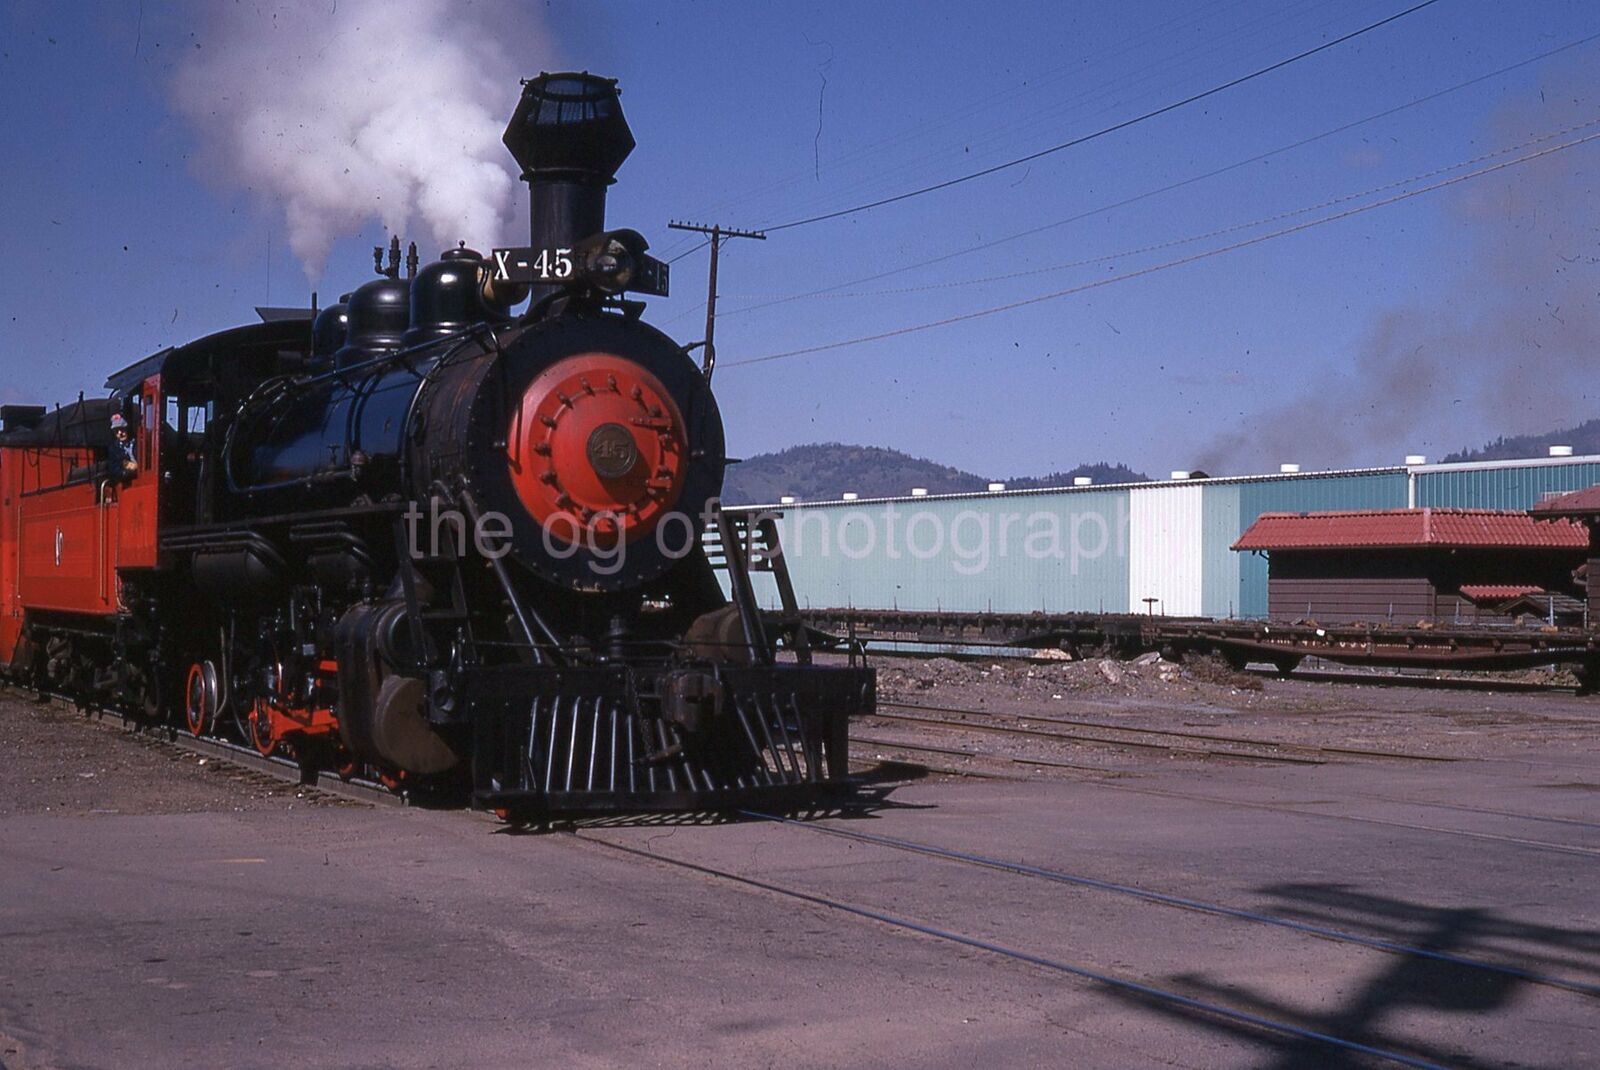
{"x":195,"y":714}
{"x":261,"y":729}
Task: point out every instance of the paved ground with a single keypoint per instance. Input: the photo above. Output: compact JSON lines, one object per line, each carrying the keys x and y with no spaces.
{"x":206,"y":922}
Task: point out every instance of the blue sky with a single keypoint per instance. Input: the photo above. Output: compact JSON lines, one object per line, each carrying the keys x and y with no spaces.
{"x":128,"y":229}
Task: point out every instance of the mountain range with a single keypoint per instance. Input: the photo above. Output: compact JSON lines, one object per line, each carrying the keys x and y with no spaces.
{"x":826,"y":470}
{"x":1584,"y":439}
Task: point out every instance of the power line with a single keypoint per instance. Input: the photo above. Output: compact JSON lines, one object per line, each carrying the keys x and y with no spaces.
{"x":1219,"y":232}
{"x":691,"y":249}
{"x":1123,"y":125}
{"x":1125,"y":202}
{"x":1086,"y":102}
{"x":1180,"y":262}
{"x":1080,"y":69}
{"x":1166,"y":30}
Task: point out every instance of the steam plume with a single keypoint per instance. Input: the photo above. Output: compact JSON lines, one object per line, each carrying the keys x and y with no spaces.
{"x":350,"y":111}
{"x":1513,"y":350}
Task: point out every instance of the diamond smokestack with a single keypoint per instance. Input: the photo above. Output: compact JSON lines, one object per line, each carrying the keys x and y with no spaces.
{"x":569,"y":136}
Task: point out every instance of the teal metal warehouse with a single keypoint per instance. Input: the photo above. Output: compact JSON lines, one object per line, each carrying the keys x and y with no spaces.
{"x":1161,"y":547}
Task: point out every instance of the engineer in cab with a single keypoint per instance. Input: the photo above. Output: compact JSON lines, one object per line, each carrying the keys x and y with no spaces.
{"x":122,"y":461}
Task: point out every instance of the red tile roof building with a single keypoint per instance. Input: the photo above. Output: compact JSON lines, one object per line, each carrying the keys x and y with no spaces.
{"x":1580,"y":503}
{"x":1490,"y":594}
{"x":1409,"y":565}
{"x":1411,"y":529}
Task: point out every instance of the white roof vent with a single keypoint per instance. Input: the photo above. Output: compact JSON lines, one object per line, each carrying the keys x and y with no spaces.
{"x":1416,"y":458}
{"x":1288,"y":469}
{"x":1178,"y":473}
{"x":919,"y":492}
{"x":1561,"y":451}
{"x":1082,"y":481}
{"x":787,"y":499}
{"x":997,"y":486}
{"x":850,"y":496}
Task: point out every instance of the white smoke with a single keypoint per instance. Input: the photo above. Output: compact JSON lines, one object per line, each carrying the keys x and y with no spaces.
{"x":352,"y":111}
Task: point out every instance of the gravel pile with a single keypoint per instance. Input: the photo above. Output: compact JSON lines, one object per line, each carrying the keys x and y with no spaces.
{"x":1148,"y":674}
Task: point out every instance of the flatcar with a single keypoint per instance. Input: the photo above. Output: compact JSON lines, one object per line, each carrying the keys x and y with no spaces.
{"x":425,"y":537}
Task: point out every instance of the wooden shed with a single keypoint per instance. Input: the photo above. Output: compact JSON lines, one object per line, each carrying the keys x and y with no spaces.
{"x":1410,"y":565}
{"x":1582,"y":506}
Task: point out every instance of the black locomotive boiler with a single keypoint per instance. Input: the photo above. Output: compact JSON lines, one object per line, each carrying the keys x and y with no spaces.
{"x":455,"y":546}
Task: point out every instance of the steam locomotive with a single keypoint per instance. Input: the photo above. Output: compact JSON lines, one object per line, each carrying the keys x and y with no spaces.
{"x":418,"y":536}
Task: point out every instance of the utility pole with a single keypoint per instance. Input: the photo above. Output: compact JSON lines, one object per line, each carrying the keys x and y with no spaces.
{"x":718,"y":234}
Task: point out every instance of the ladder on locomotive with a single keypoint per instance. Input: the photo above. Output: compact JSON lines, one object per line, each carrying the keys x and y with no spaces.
{"x":736,"y":546}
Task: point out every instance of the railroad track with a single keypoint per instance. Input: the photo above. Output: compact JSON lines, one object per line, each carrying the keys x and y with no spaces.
{"x":1234,"y":1016}
{"x":896,"y":745}
{"x":1108,"y":781}
{"x":1334,"y":751}
{"x":1464,"y":808}
{"x":1267,"y":749}
{"x":250,"y":763}
{"x":254,"y":765}
{"x":248,"y":766}
{"x":1370,"y":678}
{"x":356,"y":789}
{"x":1078,"y":737}
{"x":1184,"y":903}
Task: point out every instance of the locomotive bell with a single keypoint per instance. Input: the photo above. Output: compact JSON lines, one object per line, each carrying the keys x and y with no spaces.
{"x":569,"y":136}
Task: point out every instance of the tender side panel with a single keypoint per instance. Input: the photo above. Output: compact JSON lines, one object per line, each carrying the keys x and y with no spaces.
{"x":10,"y":602}
{"x":68,"y":550}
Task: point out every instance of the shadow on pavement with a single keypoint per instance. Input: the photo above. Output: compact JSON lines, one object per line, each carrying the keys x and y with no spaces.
{"x":866,"y":798}
{"x":1405,"y":981}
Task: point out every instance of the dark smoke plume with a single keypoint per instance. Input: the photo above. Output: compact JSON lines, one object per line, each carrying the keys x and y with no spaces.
{"x":1515,"y":350}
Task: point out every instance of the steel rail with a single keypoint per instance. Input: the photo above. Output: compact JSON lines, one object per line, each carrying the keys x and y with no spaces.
{"x":357,"y":789}
{"x":153,"y":734}
{"x":1183,"y":902}
{"x":981,"y":755}
{"x":897,"y":745}
{"x":1520,"y":841}
{"x":1577,"y":822}
{"x":1080,"y":738}
{"x":1360,"y":752}
{"x":1084,"y":973}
